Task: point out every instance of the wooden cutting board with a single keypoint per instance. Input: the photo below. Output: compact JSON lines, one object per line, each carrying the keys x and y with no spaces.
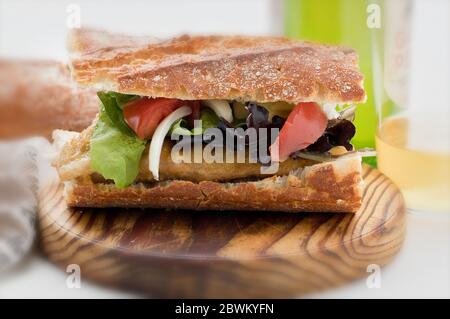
{"x":224,"y":254}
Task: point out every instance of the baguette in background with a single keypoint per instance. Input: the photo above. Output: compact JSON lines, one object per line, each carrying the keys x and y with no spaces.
{"x":37,"y":97}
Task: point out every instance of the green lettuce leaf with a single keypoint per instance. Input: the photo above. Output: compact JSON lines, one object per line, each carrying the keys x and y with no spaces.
{"x":123,"y":99}
{"x":113,"y":104}
{"x":207,"y":116}
{"x":115,"y":151}
{"x":239,"y":122}
{"x":371,"y":160}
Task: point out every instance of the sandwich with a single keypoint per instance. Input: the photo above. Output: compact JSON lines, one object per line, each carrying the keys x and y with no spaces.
{"x":214,"y":123}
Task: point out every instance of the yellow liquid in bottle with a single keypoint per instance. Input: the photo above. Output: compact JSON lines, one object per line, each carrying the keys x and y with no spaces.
{"x":422,"y":176}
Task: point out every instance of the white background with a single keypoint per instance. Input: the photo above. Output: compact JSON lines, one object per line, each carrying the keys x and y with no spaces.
{"x":38,"y":28}
{"x":30,"y":29}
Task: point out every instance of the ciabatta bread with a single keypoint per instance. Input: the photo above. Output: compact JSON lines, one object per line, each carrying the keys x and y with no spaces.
{"x":328,"y":187}
{"x":260,"y":69}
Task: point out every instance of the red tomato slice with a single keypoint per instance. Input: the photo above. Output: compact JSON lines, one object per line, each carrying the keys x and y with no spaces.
{"x":304,"y":125}
{"x":144,"y":115}
{"x":195,"y":115}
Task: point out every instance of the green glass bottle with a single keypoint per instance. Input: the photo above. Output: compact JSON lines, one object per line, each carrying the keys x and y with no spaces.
{"x":341,"y":22}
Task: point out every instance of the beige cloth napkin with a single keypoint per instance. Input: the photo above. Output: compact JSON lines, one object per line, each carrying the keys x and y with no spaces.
{"x":21,"y":165}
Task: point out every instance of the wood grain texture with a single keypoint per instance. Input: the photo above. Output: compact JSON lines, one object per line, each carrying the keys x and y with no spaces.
{"x":224,"y":254}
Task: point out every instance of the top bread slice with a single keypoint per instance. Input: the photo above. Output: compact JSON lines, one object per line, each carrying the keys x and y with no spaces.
{"x":260,"y":69}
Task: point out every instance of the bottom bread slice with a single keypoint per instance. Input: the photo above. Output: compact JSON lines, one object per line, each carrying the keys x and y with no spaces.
{"x":327,"y":187}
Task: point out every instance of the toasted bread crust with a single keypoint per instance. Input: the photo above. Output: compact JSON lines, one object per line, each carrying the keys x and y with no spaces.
{"x":328,"y":187}
{"x":261,"y":69}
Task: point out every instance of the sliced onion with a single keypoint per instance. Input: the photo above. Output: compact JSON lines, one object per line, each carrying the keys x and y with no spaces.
{"x":367,"y":152}
{"x":348,"y":113}
{"x":318,"y":157}
{"x":330,"y":110}
{"x":325,"y":157}
{"x":222,"y":108}
{"x":158,"y":137}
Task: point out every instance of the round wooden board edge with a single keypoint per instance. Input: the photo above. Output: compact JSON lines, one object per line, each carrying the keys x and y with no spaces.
{"x":397,"y":219}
